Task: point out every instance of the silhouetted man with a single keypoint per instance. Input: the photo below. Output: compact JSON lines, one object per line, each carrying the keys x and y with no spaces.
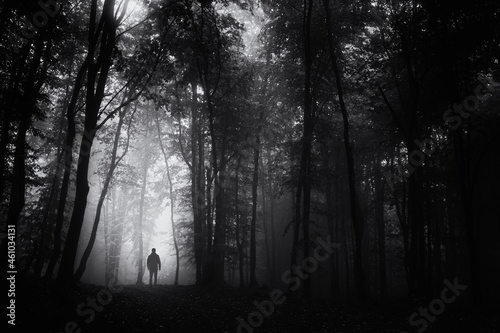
{"x":154,"y":265}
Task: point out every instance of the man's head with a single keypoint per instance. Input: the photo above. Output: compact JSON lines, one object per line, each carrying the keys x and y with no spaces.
{"x":153,"y":250}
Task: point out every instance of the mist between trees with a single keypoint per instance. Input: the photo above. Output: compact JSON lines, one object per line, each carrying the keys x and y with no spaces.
{"x":230,"y":134}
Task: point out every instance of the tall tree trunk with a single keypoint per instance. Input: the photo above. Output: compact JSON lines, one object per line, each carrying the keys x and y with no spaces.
{"x":239,"y":242}
{"x":255,"y":182}
{"x":48,"y":211}
{"x":140,"y":222}
{"x":296,"y":221}
{"x":304,"y":185}
{"x":208,"y":262}
{"x":140,"y":260}
{"x":107,"y":250}
{"x":379,"y":187}
{"x":109,"y":176}
{"x":174,"y":233}
{"x":67,"y":160}
{"x":26,"y":110}
{"x":171,"y":194}
{"x":357,"y":220}
{"x":52,"y":201}
{"x":219,"y":174}
{"x":401,"y":212}
{"x":451,"y":251}
{"x":197,"y":184}
{"x":97,"y":76}
{"x":308,"y":135}
{"x":220,"y":228}
{"x":217,"y":255}
{"x":273,"y":231}
{"x":330,"y":208}
{"x":196,"y":168}
{"x":265,"y":227}
{"x":201,"y":190}
{"x":462,"y":156}
{"x":417,"y":235}
{"x":116,"y":235}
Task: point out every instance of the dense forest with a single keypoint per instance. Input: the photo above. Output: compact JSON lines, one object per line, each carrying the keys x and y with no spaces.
{"x":319,"y":150}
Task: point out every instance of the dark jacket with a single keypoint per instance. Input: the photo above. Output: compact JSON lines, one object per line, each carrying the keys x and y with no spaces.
{"x":153,"y":262}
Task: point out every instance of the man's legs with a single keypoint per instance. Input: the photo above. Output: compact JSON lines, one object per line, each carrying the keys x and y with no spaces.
{"x":156,"y":276}
{"x":150,"y":278}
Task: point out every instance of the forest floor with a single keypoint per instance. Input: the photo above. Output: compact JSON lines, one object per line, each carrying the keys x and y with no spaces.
{"x":168,"y":308}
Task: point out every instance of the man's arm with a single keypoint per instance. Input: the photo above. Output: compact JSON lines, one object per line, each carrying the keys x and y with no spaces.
{"x":159,"y":263}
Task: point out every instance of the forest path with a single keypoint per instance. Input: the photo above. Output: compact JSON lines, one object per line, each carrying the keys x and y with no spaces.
{"x":167,"y":308}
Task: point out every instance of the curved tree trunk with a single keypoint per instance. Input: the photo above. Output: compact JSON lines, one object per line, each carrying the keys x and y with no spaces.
{"x":67,"y":159}
{"x":97,"y":76}
{"x":109,"y":176}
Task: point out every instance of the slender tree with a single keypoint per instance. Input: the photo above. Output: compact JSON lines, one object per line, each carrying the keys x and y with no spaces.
{"x":357,"y":220}
{"x":171,"y":195}
{"x":113,"y":164}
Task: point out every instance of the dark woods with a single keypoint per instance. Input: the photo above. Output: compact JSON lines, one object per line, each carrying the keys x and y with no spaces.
{"x":263,"y":128}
